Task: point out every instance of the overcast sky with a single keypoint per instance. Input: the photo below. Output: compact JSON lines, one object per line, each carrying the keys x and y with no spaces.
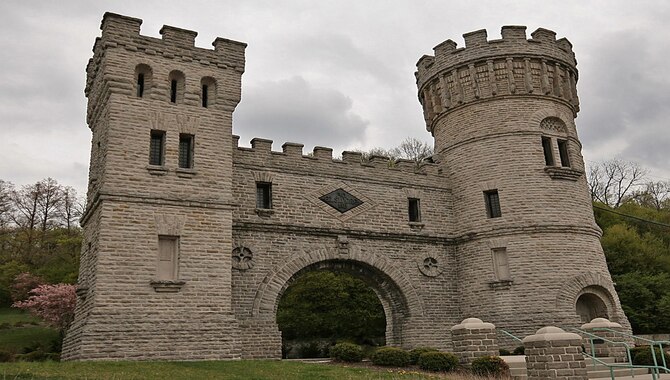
{"x":331,"y":73}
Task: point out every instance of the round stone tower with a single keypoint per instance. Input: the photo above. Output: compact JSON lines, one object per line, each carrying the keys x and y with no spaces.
{"x":502,"y":115}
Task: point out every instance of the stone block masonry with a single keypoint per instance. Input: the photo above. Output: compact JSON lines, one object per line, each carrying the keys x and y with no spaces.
{"x":553,"y":353}
{"x":474,"y":338}
{"x":190,"y":240}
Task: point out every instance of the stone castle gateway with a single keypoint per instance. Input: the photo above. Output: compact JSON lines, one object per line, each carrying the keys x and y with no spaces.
{"x":190,"y":240}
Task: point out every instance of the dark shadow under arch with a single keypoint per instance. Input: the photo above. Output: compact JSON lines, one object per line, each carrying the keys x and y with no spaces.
{"x":389,"y":294}
{"x":590,"y":306}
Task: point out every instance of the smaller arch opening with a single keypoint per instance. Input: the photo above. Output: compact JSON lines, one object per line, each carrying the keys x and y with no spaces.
{"x":590,"y":306}
{"x":177,"y":83}
{"x":207,"y":92}
{"x":143,"y":79}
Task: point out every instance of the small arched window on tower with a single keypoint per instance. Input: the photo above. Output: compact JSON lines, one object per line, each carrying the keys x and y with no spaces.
{"x":177,"y":84}
{"x":208,"y":91}
{"x":554,"y":129}
{"x":143,"y":77}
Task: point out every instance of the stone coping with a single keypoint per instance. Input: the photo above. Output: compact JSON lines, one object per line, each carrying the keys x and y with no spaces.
{"x":550,"y":333}
{"x":473,"y":324}
{"x":601,"y":323}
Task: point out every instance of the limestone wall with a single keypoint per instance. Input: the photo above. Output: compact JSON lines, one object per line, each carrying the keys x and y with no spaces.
{"x":486,"y":105}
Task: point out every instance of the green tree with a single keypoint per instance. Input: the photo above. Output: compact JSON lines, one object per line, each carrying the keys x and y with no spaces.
{"x":8,"y":272}
{"x":628,"y":251}
{"x":323,"y":304}
{"x":38,"y":233}
{"x":645,"y":299}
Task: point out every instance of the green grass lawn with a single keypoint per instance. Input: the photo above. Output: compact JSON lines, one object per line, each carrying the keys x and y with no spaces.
{"x":242,"y":370}
{"x":21,"y":330}
{"x":12,"y":315}
{"x":15,"y":339}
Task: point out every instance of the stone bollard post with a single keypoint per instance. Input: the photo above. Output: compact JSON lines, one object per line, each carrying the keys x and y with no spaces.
{"x":553,"y":353}
{"x":473,"y":338}
{"x":602,"y":348}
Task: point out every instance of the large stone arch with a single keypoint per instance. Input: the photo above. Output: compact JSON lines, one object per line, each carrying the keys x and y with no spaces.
{"x":594,"y":284}
{"x":398,"y":296}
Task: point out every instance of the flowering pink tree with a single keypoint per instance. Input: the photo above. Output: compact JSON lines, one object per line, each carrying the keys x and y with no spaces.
{"x":23,"y":284}
{"x":53,"y":303}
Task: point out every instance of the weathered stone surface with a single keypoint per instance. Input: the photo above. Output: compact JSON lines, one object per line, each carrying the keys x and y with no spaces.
{"x":473,"y":338}
{"x":552,"y":353}
{"x":484,"y":104}
{"x":609,"y":342}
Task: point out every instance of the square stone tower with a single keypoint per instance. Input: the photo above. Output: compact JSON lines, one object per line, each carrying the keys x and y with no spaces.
{"x":160,"y":113}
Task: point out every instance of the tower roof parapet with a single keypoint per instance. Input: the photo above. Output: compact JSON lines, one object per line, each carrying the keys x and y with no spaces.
{"x":124,"y":31}
{"x":511,"y":66}
{"x":542,"y":43}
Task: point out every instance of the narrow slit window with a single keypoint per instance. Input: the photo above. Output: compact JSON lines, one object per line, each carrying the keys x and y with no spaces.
{"x":492,"y":201}
{"x":173,"y":91}
{"x":263,"y":195}
{"x":501,"y":264}
{"x":208,"y":92}
{"x":157,"y":148}
{"x":563,"y":151}
{"x":414,"y":210}
{"x":548,"y":154}
{"x":205,"y":95}
{"x":140,"y":85}
{"x":142,"y":80}
{"x":186,"y":151}
{"x":168,"y":249}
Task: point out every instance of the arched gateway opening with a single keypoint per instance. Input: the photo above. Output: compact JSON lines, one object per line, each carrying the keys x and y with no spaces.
{"x":322,"y":307}
{"x":402,"y":305}
{"x":390,"y":295}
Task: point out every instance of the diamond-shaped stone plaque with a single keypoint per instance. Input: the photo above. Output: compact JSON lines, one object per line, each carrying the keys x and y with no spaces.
{"x":341,"y":200}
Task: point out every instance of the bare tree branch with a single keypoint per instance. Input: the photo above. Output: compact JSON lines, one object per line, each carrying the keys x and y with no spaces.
{"x":614,"y":181}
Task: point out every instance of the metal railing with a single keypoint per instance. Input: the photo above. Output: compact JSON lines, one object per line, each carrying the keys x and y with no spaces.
{"x":510,"y":335}
{"x":653,"y":344}
{"x":654,"y":369}
{"x":610,"y":366}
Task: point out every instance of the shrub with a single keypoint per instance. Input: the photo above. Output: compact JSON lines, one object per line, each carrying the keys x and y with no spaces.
{"x":642,"y":355}
{"x":23,"y":284}
{"x":390,"y":357}
{"x":6,"y":356}
{"x":489,"y":366}
{"x":346,"y":352}
{"x":416,"y":352}
{"x":504,"y":352}
{"x":369,"y":350}
{"x":438,"y":361}
{"x":312,"y":349}
{"x":53,"y":303}
{"x":53,"y":356}
{"x":519,"y":351}
{"x":34,"y":356}
{"x":284,"y":350}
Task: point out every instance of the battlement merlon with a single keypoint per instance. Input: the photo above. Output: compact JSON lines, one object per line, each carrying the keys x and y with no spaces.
{"x":125,"y":31}
{"x":542,"y":44}
{"x":321,"y":158}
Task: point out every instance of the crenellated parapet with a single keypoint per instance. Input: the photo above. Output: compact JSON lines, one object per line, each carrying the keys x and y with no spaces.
{"x":484,"y":69}
{"x":321,"y":159}
{"x":176,"y":46}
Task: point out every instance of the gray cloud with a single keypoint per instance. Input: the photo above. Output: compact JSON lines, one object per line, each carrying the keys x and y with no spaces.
{"x":349,"y":66}
{"x":293,"y":110}
{"x":627,"y":98}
